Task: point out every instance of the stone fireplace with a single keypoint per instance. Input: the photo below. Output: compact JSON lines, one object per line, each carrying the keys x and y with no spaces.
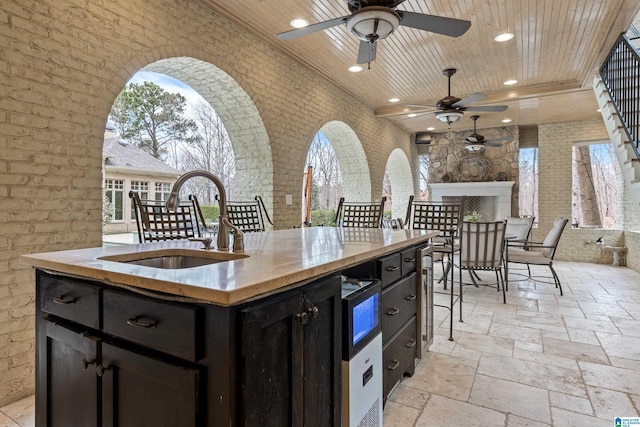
{"x":492,"y":200}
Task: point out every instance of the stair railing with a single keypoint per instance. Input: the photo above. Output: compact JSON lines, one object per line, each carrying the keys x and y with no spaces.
{"x":621,"y":75}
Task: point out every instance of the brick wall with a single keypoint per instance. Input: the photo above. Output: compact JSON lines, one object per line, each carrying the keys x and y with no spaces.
{"x":555,"y":150}
{"x":63,"y":63}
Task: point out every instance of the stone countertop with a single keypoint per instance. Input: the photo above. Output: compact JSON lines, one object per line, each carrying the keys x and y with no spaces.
{"x":276,"y":260}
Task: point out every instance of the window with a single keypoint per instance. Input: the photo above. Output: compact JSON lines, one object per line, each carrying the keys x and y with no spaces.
{"x":528,"y":177}
{"x":114,"y":189}
{"x":597,"y":185}
{"x":163,"y":189}
{"x":424,"y":177}
{"x":142,"y":188}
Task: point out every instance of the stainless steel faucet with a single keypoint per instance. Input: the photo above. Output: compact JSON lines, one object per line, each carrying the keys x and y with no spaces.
{"x":173,"y":202}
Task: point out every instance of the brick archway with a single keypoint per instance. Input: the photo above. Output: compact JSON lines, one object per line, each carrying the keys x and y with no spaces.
{"x":399,"y":170}
{"x":246,"y":130}
{"x":356,"y":179}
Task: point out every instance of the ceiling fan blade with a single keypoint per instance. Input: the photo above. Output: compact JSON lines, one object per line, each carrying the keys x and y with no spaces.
{"x":366,"y":52}
{"x":472,"y":139}
{"x":292,"y":34}
{"x":489,"y":108}
{"x":406,"y":117}
{"x":492,"y":144}
{"x":436,"y":24}
{"x":432,"y":107}
{"x":470,"y":100}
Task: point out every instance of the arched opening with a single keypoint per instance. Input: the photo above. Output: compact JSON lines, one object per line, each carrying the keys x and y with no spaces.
{"x":398,"y":170}
{"x":241,"y":124}
{"x":339,"y":168}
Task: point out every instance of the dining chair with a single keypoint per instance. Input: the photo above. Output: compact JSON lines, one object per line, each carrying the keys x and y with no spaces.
{"x":360,"y":214}
{"x":537,"y":253}
{"x":482,"y":249}
{"x":248,"y":216}
{"x":519,"y":230}
{"x":156,"y":223}
{"x":445,"y":217}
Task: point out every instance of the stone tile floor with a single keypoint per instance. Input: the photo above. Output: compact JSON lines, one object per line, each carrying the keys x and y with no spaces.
{"x":542,"y":359}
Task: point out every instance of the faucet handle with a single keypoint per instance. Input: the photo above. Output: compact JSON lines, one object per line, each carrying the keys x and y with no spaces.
{"x":206,"y":241}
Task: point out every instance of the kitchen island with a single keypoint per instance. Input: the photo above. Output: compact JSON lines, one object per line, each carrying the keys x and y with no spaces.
{"x":241,"y":339}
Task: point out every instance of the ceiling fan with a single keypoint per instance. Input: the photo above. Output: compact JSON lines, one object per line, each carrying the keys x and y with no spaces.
{"x":450,"y":108}
{"x":476,"y":142}
{"x":373,"y":20}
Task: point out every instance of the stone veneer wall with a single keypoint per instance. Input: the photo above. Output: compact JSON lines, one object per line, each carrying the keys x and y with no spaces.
{"x":63,"y":63}
{"x":448,"y":149}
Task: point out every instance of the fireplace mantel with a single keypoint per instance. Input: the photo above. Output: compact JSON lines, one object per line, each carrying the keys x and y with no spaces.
{"x":500,"y":191}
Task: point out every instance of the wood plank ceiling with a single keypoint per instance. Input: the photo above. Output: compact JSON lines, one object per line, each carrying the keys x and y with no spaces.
{"x":557,"y":49}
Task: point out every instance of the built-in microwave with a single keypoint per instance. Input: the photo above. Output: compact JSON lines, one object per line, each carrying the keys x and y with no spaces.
{"x":360,"y":314}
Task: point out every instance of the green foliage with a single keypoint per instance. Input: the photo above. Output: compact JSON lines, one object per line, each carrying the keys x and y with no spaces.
{"x":211,"y":212}
{"x":151,"y":117}
{"x":108,"y":209}
{"x":323,"y":217}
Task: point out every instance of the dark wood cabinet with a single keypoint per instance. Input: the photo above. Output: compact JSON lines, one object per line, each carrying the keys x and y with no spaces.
{"x":142,"y":391}
{"x":298,"y":343}
{"x":68,"y":385}
{"x":399,"y":304}
{"x":111,"y":357}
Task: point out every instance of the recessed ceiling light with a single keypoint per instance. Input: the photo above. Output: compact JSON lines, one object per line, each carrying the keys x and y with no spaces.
{"x":503,"y":37}
{"x":431,"y":128}
{"x":394,"y":100}
{"x":599,"y":110}
{"x":411,"y":115}
{"x":510,"y":82}
{"x":299,"y":23}
{"x":355,"y":68}
{"x":506,"y":120}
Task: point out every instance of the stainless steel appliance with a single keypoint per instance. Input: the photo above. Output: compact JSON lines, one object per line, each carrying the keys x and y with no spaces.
{"x":361,"y":354}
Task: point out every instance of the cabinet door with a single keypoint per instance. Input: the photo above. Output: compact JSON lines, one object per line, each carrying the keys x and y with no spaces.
{"x":141,"y":391}
{"x":272,"y":350}
{"x":323,"y":354}
{"x":67,"y":375}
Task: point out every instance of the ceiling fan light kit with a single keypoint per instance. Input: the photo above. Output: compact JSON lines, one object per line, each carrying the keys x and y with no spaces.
{"x":448,"y":117}
{"x":373,"y":23}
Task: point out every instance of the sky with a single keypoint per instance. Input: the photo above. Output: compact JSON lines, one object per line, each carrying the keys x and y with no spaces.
{"x":170,"y":85}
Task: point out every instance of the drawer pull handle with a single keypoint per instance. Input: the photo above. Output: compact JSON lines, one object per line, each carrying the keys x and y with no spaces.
{"x":100,"y":370}
{"x":393,"y":365}
{"x":62,"y":299}
{"x":410,"y":259}
{"x":86,"y":363}
{"x":411,"y":344}
{"x":410,"y":297}
{"x":393,"y":268}
{"x":135,"y":321}
{"x":393,"y":311}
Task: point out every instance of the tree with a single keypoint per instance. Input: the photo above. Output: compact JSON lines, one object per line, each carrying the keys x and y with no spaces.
{"x":584,"y":187}
{"x":326,"y":171}
{"x":211,"y":150}
{"x":152,"y":118}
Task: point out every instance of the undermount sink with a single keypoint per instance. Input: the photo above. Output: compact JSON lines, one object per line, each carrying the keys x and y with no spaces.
{"x":174,"y":258}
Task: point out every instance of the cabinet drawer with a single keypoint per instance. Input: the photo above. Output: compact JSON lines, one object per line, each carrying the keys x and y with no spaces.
{"x":408,"y":257}
{"x":398,"y":305}
{"x":164,"y":326}
{"x":398,"y":356}
{"x":70,"y":299}
{"x":390,"y":269}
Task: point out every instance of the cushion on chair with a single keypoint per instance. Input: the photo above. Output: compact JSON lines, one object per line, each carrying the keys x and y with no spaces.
{"x":552,"y":237}
{"x":518,"y":227}
{"x":527,"y":257}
